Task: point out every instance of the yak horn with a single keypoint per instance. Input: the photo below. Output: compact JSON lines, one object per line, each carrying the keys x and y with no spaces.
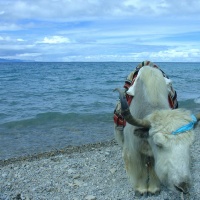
{"x":127,"y":114}
{"x":198,"y":117}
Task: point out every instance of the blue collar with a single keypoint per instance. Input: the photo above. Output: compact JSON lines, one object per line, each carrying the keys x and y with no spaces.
{"x":186,"y":127}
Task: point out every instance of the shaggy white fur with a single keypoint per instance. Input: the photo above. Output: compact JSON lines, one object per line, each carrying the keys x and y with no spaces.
{"x":161,"y":157}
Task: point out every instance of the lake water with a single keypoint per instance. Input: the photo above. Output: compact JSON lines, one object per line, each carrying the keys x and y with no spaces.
{"x":47,"y":106}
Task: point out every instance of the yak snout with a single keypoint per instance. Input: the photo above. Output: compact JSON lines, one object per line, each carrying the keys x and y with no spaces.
{"x":182,"y":187}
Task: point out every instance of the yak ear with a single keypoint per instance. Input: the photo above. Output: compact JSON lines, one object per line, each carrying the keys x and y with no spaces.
{"x":159,"y":139}
{"x":141,"y":132}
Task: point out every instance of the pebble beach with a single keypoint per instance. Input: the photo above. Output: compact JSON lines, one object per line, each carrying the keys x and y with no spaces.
{"x":88,"y":172}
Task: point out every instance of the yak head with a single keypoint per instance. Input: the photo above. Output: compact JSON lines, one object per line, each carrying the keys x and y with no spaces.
{"x":171,"y":150}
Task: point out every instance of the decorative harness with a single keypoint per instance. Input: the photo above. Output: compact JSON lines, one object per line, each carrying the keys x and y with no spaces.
{"x":172,"y":96}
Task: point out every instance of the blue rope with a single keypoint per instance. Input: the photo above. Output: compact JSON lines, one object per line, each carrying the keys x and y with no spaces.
{"x":186,"y":127}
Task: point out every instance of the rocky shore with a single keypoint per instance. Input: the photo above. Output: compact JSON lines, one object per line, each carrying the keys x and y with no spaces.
{"x":89,"y":172}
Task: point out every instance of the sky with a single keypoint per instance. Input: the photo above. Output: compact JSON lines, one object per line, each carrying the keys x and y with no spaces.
{"x":100,"y":30}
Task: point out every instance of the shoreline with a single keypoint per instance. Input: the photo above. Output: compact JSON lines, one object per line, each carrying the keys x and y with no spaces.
{"x":87,"y":172}
{"x":57,"y":152}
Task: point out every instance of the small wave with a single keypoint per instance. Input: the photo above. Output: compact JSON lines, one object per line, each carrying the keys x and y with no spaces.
{"x":191,"y":104}
{"x":197,"y":100}
{"x":49,"y":119}
{"x":3,"y":115}
{"x":39,"y":119}
{"x":76,"y":79}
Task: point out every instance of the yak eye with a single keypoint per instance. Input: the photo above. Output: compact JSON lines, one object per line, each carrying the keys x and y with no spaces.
{"x":159,"y":145}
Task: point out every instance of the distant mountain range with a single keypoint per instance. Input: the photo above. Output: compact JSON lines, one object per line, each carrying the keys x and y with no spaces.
{"x":13,"y":60}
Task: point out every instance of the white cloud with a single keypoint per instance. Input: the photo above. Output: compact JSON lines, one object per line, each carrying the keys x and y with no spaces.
{"x":20,"y":40}
{"x":170,"y":55}
{"x":179,"y":55}
{"x":2,"y":12}
{"x":54,"y":40}
{"x":9,"y":39}
{"x":6,"y":38}
{"x":66,"y":10}
{"x":9,"y":26}
{"x":28,"y":55}
{"x":100,"y":30}
{"x":24,"y":56}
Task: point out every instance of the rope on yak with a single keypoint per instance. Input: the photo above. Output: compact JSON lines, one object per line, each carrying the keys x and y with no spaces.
{"x":186,"y":127}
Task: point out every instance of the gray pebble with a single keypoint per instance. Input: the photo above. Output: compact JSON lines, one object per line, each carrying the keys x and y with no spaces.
{"x":92,"y":174}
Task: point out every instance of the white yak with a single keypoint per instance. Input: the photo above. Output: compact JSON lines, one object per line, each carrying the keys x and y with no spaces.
{"x":152,"y":153}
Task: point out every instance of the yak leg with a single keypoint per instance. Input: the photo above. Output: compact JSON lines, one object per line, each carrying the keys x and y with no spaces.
{"x":154,"y":182}
{"x":136,"y":170}
{"x":119,"y":135}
